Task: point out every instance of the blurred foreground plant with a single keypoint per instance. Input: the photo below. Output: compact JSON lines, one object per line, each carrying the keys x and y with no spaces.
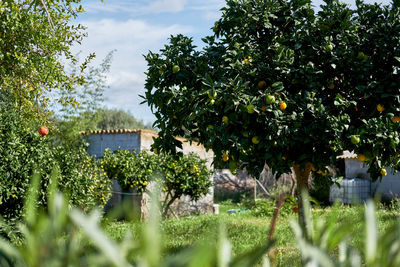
{"x":60,"y":236}
{"x":317,"y":246}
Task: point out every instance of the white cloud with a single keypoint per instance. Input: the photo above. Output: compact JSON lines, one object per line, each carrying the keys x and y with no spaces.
{"x":139,"y":8}
{"x":131,"y":39}
{"x":125,"y":79}
{"x":136,"y":8}
{"x":212,"y":15}
{"x":163,"y":6}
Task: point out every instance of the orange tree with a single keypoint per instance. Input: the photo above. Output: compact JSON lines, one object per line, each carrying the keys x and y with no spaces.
{"x":281,"y":84}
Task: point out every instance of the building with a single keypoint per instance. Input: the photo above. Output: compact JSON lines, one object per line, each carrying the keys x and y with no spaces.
{"x":387,"y":188}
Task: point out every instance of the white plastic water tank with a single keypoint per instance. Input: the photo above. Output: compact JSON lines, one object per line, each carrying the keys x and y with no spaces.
{"x":351,"y":191}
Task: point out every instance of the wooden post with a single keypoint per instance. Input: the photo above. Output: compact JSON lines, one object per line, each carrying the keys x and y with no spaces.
{"x":255,"y":190}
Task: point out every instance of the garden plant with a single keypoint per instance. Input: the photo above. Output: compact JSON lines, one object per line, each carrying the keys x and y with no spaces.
{"x":186,"y":175}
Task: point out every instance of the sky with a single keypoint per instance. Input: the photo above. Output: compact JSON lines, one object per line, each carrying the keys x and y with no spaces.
{"x":135,"y":27}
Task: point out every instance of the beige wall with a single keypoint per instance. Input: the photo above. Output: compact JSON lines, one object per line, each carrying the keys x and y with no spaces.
{"x":146,"y":140}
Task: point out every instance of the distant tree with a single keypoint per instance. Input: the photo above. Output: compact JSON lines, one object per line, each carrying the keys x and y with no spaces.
{"x":112,"y":119}
{"x":84,"y":115}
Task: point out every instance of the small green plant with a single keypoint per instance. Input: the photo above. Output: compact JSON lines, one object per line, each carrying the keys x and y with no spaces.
{"x":266,"y":208}
{"x":186,"y":176}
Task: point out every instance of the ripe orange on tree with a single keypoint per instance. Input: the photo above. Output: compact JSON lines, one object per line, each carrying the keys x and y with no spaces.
{"x":282,"y":105}
{"x":361,"y":157}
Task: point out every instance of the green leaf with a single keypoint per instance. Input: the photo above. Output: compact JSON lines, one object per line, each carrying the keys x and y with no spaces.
{"x":91,"y":228}
{"x":371,"y":233}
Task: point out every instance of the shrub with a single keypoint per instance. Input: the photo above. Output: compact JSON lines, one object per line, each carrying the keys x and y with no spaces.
{"x":186,"y":175}
{"x":266,"y":208}
{"x":132,"y":170}
{"x":23,"y":150}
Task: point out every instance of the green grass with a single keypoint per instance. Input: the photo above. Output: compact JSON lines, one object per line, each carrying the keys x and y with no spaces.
{"x":246,"y":231}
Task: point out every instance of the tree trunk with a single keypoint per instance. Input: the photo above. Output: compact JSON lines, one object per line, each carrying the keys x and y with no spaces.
{"x":302,"y":175}
{"x":168,"y":204}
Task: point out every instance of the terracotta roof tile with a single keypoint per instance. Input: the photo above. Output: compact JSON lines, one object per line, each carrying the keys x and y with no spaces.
{"x":118,"y":131}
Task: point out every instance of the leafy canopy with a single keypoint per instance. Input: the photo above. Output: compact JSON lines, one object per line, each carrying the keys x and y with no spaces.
{"x":187,"y":175}
{"x":35,"y":42}
{"x":282,"y":84}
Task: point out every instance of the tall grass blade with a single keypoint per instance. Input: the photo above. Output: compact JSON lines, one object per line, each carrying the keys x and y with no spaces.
{"x":253,"y":257}
{"x":91,"y":228}
{"x":371,"y":233}
{"x":307,"y":215}
{"x":31,"y":200}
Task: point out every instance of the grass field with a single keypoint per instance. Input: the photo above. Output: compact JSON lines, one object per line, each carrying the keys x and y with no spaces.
{"x":245,"y":230}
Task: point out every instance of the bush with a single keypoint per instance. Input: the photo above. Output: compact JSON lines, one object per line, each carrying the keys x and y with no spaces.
{"x":266,"y":208}
{"x":184,"y":176}
{"x":23,"y":150}
{"x":378,"y":247}
{"x":132,"y":170}
{"x":321,"y":186}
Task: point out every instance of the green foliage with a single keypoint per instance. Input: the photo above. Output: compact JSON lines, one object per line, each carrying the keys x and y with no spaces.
{"x":378,"y":248}
{"x":132,"y":170}
{"x":60,"y":236}
{"x":321,"y":187}
{"x":184,"y":176}
{"x":266,"y":208}
{"x":111,"y":119}
{"x":35,"y":42}
{"x":23,"y":150}
{"x":331,"y":68}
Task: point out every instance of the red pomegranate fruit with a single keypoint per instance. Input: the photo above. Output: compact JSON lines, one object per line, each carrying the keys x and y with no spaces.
{"x":43,"y":131}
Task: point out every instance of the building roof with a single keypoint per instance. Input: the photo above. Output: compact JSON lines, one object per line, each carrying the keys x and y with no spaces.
{"x":124,"y":131}
{"x":119,"y":131}
{"x":348,"y":155}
